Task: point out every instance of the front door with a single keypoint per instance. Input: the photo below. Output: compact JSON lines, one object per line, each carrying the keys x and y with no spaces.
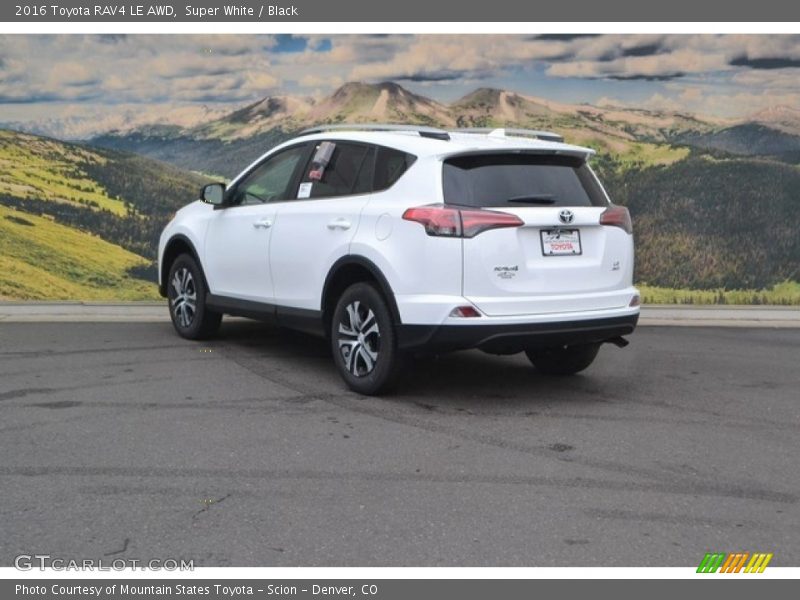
{"x":238,"y":238}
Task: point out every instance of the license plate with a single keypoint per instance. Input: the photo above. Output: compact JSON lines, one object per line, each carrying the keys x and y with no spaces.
{"x":561,"y":242}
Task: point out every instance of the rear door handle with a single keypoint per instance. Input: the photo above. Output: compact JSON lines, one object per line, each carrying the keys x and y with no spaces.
{"x":263,"y":224}
{"x":340,"y":223}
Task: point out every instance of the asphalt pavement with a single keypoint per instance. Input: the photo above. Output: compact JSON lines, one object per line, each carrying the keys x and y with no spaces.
{"x":121,"y":440}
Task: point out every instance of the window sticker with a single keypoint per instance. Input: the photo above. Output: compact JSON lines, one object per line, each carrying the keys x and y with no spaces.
{"x":320,"y":161}
{"x":304,"y":191}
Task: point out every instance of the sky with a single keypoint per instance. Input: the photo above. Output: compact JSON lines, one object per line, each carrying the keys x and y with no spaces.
{"x":107,"y":81}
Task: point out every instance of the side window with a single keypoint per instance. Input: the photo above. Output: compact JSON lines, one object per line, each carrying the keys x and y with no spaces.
{"x":270,"y":180}
{"x":389,"y":166}
{"x":336,"y":169}
{"x":365,"y":175}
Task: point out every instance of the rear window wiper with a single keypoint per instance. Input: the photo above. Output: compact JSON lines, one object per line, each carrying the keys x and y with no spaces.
{"x":533,"y":199}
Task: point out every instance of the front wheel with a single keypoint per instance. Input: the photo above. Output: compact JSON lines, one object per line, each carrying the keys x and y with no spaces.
{"x":564,"y":360}
{"x":363,"y":340}
{"x":186,"y":291}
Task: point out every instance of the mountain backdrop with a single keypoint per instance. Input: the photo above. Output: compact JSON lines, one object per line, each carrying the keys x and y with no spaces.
{"x":715,"y":202}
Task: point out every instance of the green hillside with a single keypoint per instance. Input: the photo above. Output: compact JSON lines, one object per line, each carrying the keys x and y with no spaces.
{"x":37,"y":167}
{"x":42,"y":260}
{"x":82,"y":223}
{"x":121,"y":197}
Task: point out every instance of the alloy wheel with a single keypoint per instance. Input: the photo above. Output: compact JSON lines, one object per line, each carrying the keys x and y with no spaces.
{"x":359,"y":339}
{"x":184,"y":302}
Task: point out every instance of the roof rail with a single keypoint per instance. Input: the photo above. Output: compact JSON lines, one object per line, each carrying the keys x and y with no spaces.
{"x":548,"y":136}
{"x":422,"y":130}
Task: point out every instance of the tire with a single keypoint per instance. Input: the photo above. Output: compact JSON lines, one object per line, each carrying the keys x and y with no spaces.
{"x":364,"y":341}
{"x":561,"y":361}
{"x":186,"y":293}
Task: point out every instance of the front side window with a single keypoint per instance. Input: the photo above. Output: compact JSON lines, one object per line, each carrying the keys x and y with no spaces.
{"x":271,"y":180}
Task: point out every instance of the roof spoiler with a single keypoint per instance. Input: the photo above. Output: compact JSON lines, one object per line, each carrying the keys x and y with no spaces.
{"x":502,"y":132}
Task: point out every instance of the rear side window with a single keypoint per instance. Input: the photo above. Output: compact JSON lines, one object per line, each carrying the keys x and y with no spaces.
{"x":503,"y":180}
{"x":335,"y":169}
{"x":390,"y":164}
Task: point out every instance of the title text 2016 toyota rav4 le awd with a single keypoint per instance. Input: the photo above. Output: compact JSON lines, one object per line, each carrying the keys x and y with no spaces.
{"x":392,"y":240}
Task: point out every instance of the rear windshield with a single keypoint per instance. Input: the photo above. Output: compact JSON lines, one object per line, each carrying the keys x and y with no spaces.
{"x":494,"y":180}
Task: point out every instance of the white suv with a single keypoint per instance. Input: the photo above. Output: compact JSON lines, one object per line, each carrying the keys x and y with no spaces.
{"x":393,"y":240}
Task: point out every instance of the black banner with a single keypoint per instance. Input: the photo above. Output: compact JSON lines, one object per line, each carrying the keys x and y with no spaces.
{"x":388,"y":589}
{"x":256,"y":11}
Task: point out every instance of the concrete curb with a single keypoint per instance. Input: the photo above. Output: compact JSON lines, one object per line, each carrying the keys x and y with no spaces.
{"x":721,"y":316}
{"x":652,"y":315}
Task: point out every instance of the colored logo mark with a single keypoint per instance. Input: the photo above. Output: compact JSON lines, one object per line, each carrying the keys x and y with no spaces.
{"x":734,"y":562}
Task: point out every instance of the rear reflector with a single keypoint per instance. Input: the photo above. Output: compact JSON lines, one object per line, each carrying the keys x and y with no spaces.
{"x":635,"y":301}
{"x":467,"y":312}
{"x":446,"y":221}
{"x":617,"y":216}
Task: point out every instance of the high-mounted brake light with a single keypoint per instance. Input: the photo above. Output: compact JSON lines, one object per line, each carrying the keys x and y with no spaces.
{"x":617,"y":216}
{"x":445,"y":221}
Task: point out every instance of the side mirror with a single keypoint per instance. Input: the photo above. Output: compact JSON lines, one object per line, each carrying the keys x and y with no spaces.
{"x":213,"y":193}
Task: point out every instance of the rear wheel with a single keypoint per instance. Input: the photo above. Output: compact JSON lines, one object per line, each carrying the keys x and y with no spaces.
{"x":186,"y":290}
{"x":563,"y":360}
{"x":363,"y":340}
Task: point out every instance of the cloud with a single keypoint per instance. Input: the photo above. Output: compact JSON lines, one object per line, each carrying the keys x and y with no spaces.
{"x":426,"y":56}
{"x":135,"y":68}
{"x":774,"y":80}
{"x":185,"y":69}
{"x":643,"y":50}
{"x":773,"y":62}
{"x":707,"y":100}
{"x":563,"y":37}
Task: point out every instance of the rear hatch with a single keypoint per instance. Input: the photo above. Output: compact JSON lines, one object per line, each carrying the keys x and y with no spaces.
{"x":561,"y":259}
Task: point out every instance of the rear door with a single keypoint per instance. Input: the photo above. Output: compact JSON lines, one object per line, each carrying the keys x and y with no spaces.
{"x":561,"y":259}
{"x":315,"y":228}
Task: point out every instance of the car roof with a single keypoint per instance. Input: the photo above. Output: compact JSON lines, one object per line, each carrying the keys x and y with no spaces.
{"x":458,"y":142}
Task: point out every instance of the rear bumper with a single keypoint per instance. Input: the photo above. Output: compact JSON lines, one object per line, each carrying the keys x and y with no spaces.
{"x":510,"y":338}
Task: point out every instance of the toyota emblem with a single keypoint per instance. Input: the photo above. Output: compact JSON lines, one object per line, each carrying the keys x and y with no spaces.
{"x":566,"y":216}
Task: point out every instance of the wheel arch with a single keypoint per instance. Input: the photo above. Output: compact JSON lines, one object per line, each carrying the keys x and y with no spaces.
{"x":177,"y":245}
{"x":346,"y":271}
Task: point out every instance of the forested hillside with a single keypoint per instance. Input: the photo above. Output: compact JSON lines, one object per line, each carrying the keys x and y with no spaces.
{"x":708,"y":222}
{"x":118,"y":196}
{"x":101,"y":211}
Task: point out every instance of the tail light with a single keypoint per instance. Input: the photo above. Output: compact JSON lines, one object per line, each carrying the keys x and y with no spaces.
{"x":617,"y":216}
{"x":446,"y":221}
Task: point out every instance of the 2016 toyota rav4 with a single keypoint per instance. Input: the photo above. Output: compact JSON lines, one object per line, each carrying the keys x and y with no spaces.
{"x":393,"y":240}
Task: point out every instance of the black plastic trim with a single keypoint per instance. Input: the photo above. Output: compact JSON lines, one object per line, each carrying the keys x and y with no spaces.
{"x":237,"y":307}
{"x":355,"y":259}
{"x":505,"y":339}
{"x":301,"y":319}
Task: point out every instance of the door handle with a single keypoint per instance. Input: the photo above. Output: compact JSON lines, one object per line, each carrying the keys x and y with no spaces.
{"x":263,"y":224}
{"x":339,"y":223}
